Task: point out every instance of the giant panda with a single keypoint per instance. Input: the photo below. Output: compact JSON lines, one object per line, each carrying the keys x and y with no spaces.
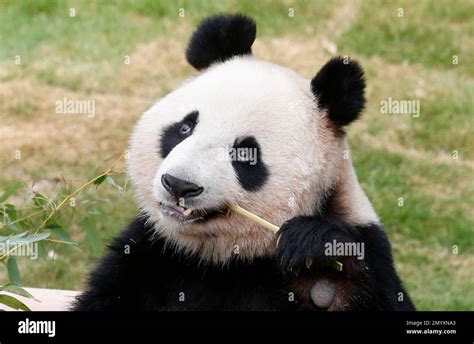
{"x":247,"y":132}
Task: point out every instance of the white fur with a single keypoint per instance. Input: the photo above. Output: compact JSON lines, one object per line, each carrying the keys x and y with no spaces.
{"x":242,"y":97}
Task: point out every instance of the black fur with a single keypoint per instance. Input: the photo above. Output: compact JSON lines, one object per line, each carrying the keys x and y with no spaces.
{"x":152,"y":276}
{"x":339,"y":87}
{"x":251,"y":177}
{"x":219,"y":38}
{"x":172,"y":136}
{"x":368,"y":284}
{"x":139,"y":273}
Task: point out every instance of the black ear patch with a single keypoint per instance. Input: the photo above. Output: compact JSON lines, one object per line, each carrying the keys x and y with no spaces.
{"x":339,"y":87}
{"x":220,"y":37}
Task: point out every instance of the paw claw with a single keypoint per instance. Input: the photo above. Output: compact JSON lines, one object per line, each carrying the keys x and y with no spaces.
{"x":278,"y":240}
{"x":309,"y":262}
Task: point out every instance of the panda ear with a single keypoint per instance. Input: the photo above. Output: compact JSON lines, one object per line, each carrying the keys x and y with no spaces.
{"x":219,"y":38}
{"x":339,"y":88}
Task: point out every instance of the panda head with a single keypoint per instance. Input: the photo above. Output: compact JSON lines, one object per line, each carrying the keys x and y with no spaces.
{"x":244,"y":132}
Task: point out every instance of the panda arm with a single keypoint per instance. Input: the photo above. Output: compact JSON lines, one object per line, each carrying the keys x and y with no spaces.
{"x":124,"y":276}
{"x":103,"y":290}
{"x":370,"y":283}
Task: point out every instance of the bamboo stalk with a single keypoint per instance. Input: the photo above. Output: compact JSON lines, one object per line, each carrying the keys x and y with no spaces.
{"x":76,"y":191}
{"x":254,"y":218}
{"x":251,"y":216}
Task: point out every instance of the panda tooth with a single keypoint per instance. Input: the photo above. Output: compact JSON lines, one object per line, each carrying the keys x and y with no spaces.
{"x":187,"y":212}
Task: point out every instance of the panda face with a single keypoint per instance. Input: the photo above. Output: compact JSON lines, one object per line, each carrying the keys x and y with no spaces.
{"x":244,"y":132}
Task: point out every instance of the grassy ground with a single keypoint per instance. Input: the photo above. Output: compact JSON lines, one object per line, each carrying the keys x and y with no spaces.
{"x":409,"y":57}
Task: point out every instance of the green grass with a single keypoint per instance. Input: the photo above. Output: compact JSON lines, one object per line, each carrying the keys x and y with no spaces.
{"x":429,"y":33}
{"x":95,"y":41}
{"x":445,"y":121}
{"x":427,"y":215}
{"x":407,"y":58}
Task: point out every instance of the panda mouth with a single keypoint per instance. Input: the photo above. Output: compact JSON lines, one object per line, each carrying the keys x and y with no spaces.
{"x":192,"y":215}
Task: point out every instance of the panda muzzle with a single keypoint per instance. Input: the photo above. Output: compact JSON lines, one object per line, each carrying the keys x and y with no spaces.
{"x":187,"y":214}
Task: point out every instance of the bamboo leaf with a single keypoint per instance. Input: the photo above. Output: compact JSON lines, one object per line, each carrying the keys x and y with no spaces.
{"x":13,"y":272}
{"x":112,"y":183}
{"x":11,"y":211}
{"x":27,"y":239}
{"x":12,"y":302}
{"x":14,"y":289}
{"x":100,"y":180}
{"x":40,"y":200}
{"x":35,"y":237}
{"x":60,"y":232}
{"x":92,"y":236}
{"x":10,"y":190}
{"x":15,"y":238}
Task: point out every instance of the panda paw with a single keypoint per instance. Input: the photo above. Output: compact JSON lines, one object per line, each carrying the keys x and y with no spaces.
{"x":302,"y":245}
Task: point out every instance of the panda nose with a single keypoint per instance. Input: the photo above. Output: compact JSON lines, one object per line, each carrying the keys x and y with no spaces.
{"x":180,"y":188}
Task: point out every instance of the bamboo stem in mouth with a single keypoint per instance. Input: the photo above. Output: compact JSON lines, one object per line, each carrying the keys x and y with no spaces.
{"x":257,"y":219}
{"x":254,"y":218}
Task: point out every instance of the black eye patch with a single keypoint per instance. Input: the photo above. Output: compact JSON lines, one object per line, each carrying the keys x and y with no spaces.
{"x":177,"y":132}
{"x":247,"y":161}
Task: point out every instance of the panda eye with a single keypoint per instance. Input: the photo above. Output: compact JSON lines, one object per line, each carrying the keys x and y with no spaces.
{"x":185,"y":129}
{"x":177,"y":132}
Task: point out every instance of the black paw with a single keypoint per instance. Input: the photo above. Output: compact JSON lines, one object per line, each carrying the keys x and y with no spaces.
{"x":308,"y":243}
